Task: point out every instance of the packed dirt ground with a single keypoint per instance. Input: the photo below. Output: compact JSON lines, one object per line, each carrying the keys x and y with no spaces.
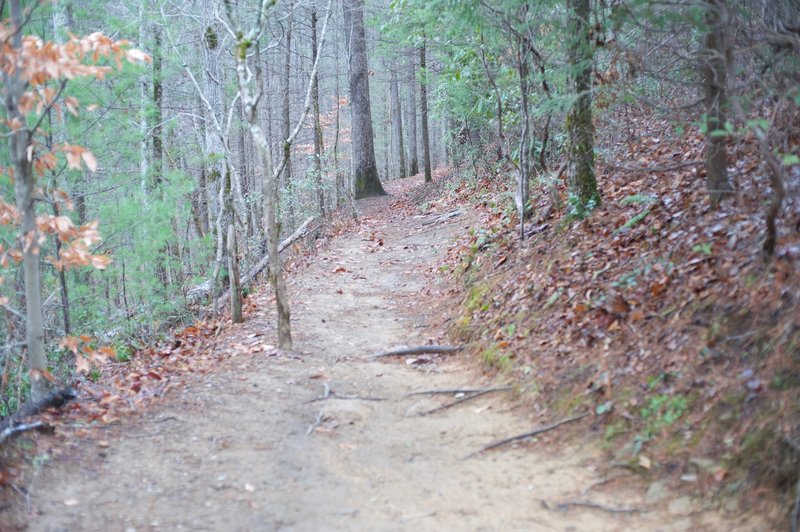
{"x":329,"y":438}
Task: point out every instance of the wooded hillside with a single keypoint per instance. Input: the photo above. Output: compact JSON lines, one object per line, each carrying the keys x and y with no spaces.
{"x":630,"y":168}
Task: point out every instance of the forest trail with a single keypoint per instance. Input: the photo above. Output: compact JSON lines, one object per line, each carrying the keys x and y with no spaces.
{"x":247,"y":447}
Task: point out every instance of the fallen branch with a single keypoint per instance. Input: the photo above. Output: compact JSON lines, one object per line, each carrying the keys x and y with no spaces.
{"x":334,"y":395}
{"x":443,"y":217}
{"x":316,"y":422}
{"x":264,"y":262}
{"x":464,"y":400}
{"x":450,"y":391}
{"x":420,"y":350}
{"x":16,"y":429}
{"x":54,"y":399}
{"x":526,"y":435}
{"x":589,"y":504}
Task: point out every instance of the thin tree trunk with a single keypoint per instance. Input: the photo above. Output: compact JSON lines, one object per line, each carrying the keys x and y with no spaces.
{"x":286,"y":178}
{"x":319,"y":147}
{"x":233,"y":275}
{"x":397,"y":126}
{"x":251,"y":88}
{"x":411,"y":122}
{"x":19,"y":141}
{"x":423,"y":102}
{"x":158,"y":108}
{"x":340,"y":185}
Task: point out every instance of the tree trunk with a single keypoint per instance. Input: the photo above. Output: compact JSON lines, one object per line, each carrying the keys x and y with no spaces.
{"x":286,"y":178}
{"x":318,"y":142}
{"x":233,"y":276}
{"x":19,"y":142}
{"x":397,"y":127}
{"x":411,"y":118}
{"x":158,"y":108}
{"x":423,"y":103}
{"x":584,"y":195}
{"x":716,"y":61}
{"x":341,"y":191}
{"x":365,"y":170}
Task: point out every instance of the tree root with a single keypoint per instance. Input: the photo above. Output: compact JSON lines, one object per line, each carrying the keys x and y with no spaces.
{"x":450,"y":391}
{"x":465,"y":399}
{"x":525,"y":435}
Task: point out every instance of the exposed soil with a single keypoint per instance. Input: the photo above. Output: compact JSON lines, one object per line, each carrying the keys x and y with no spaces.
{"x":247,"y":447}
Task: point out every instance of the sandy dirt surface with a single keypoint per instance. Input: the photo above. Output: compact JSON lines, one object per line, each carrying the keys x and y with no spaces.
{"x":326,"y":438}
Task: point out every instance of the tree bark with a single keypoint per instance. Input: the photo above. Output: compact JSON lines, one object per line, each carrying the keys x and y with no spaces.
{"x":411,"y":121}
{"x":423,"y":103}
{"x":584,"y":195}
{"x":233,"y":276}
{"x":286,"y":178}
{"x":19,"y":142}
{"x":717,"y":57}
{"x":158,"y":108}
{"x":319,"y":147}
{"x":365,"y":169}
{"x":397,"y":126}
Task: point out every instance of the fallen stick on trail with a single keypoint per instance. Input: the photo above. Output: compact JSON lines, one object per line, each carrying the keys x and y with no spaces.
{"x":443,"y":217}
{"x":420,"y":350}
{"x":464,"y":400}
{"x":16,"y":429}
{"x":449,"y":391}
{"x":316,"y":422}
{"x":525,"y":435}
{"x":589,"y":504}
{"x":264,"y":262}
{"x":334,"y":395}
{"x":54,"y":399}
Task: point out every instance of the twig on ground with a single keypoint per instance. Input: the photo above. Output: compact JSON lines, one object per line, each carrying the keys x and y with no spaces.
{"x":316,"y":422}
{"x":589,"y":504}
{"x":420,"y":350}
{"x":449,"y":391}
{"x":16,"y":429}
{"x":443,"y":217}
{"x":600,"y":482}
{"x":464,"y":399}
{"x":412,"y":517}
{"x":526,"y":435}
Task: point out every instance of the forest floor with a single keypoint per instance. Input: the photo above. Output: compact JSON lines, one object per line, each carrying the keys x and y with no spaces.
{"x":327,"y":438}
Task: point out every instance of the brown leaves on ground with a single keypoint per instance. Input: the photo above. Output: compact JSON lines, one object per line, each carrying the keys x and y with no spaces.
{"x":655,"y":293}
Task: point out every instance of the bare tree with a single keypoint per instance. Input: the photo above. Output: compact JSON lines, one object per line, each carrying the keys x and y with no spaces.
{"x":249,"y":72}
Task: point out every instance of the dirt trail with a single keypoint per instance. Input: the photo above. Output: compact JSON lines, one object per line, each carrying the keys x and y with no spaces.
{"x":233,"y":451}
